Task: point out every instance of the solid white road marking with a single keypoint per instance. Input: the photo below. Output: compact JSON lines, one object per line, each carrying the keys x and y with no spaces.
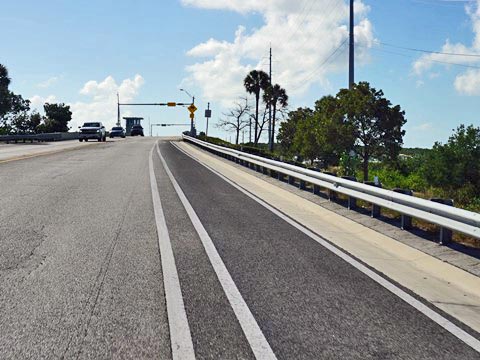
{"x":433,"y":315}
{"x":180,"y":337}
{"x":258,"y":343}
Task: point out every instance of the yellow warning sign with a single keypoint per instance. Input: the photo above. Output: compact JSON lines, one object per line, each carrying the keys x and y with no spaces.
{"x":192,"y":108}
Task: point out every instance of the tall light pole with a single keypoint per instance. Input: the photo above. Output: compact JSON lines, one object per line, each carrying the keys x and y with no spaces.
{"x":191,"y":119}
{"x":351,"y":63}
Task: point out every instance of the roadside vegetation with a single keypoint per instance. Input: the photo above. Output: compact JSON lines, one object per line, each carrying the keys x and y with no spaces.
{"x":16,"y":117}
{"x":359,"y":132}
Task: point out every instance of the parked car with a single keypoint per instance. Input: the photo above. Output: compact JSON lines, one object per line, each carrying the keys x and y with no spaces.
{"x":117,"y":131}
{"x":136,"y":130}
{"x":92,"y":130}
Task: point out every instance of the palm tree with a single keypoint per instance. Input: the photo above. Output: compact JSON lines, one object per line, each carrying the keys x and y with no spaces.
{"x":255,"y":82}
{"x":276,"y":97}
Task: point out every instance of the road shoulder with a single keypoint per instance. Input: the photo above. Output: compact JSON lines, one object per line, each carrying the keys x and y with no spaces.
{"x":449,"y":288}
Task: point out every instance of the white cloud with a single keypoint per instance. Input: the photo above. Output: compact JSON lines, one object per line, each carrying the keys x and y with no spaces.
{"x":303,"y":35}
{"x":423,"y":127}
{"x":37,"y":101}
{"x":49,"y":82}
{"x":103,"y":106}
{"x":467,"y":82}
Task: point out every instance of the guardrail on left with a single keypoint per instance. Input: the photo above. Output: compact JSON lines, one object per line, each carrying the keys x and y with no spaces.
{"x":39,"y":137}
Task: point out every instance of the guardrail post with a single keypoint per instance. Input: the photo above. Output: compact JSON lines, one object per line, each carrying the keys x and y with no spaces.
{"x":376,"y":210}
{"x":445,"y":233}
{"x":352,"y":202}
{"x":280,"y":176}
{"x":291,"y":180}
{"x":406,"y":221}
{"x":264,"y":170}
{"x":302,"y":185}
{"x":332,"y":195}
{"x":316,"y":189}
{"x":258,"y":168}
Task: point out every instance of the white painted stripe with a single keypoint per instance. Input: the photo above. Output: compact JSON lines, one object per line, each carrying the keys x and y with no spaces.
{"x":180,"y":337}
{"x":433,"y":315}
{"x":258,"y":343}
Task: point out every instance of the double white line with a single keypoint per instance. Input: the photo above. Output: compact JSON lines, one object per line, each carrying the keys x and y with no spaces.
{"x":180,"y":336}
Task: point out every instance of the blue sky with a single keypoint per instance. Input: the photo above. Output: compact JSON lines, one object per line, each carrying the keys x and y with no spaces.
{"x":83,"y":52}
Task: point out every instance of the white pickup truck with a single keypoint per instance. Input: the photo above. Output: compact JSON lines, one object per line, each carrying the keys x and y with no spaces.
{"x":92,"y":130}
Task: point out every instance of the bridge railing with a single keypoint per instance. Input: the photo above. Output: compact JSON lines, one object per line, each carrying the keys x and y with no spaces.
{"x":39,"y":137}
{"x":446,"y":217}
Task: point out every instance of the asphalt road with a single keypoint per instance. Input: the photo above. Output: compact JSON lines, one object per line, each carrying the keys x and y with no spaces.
{"x":82,"y":274}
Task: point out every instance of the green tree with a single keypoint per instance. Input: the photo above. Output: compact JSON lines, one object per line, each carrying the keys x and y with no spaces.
{"x":377,"y":125}
{"x":4,"y":93}
{"x":456,"y":164}
{"x":34,"y":121}
{"x":276,"y":97}
{"x":288,"y":129}
{"x":57,"y":117}
{"x":335,"y":134}
{"x":255,"y":82}
{"x":11,"y":105}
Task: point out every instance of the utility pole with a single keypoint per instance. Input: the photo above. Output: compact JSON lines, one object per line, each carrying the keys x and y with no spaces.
{"x":270,"y":137}
{"x":118,"y":109}
{"x":351,"y":63}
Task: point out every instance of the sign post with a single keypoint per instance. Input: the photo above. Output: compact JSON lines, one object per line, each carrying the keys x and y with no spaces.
{"x":192,"y":108}
{"x":208,"y":115}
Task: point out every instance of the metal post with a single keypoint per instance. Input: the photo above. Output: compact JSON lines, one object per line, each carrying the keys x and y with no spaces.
{"x":118,"y":109}
{"x":270,"y":144}
{"x":206,"y":130}
{"x":351,"y":64}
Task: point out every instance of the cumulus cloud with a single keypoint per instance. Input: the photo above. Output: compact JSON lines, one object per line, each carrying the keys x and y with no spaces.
{"x":303,"y":34}
{"x":49,"y":82}
{"x":467,"y":82}
{"x":103,"y":104}
{"x":37,"y":101}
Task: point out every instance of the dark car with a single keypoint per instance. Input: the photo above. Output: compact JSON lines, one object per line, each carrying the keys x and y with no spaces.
{"x":136,"y":130}
{"x":117,"y":131}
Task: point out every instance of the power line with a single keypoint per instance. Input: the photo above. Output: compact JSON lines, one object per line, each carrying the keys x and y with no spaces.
{"x":432,"y":60}
{"x":314,"y":72}
{"x":303,"y":19}
{"x":427,"y":51}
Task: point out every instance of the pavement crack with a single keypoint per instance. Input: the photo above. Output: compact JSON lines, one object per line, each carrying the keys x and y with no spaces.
{"x":82,"y":330}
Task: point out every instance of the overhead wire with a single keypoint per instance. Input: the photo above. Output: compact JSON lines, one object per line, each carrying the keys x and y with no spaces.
{"x":426,"y":59}
{"x":316,"y":70}
{"x":427,"y":51}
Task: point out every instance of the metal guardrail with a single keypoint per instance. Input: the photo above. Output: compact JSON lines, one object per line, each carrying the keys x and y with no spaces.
{"x":39,"y":137}
{"x":447,"y":217}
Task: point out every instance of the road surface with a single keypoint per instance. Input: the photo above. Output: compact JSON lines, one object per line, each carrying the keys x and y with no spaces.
{"x":127,"y":250}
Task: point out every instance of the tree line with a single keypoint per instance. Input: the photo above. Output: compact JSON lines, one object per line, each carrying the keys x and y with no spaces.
{"x":274,"y":99}
{"x":16,"y":117}
{"x":356,"y":123}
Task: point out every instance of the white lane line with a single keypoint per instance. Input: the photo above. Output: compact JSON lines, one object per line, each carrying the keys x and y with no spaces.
{"x":180,"y":337}
{"x":258,"y":343}
{"x":433,"y":315}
